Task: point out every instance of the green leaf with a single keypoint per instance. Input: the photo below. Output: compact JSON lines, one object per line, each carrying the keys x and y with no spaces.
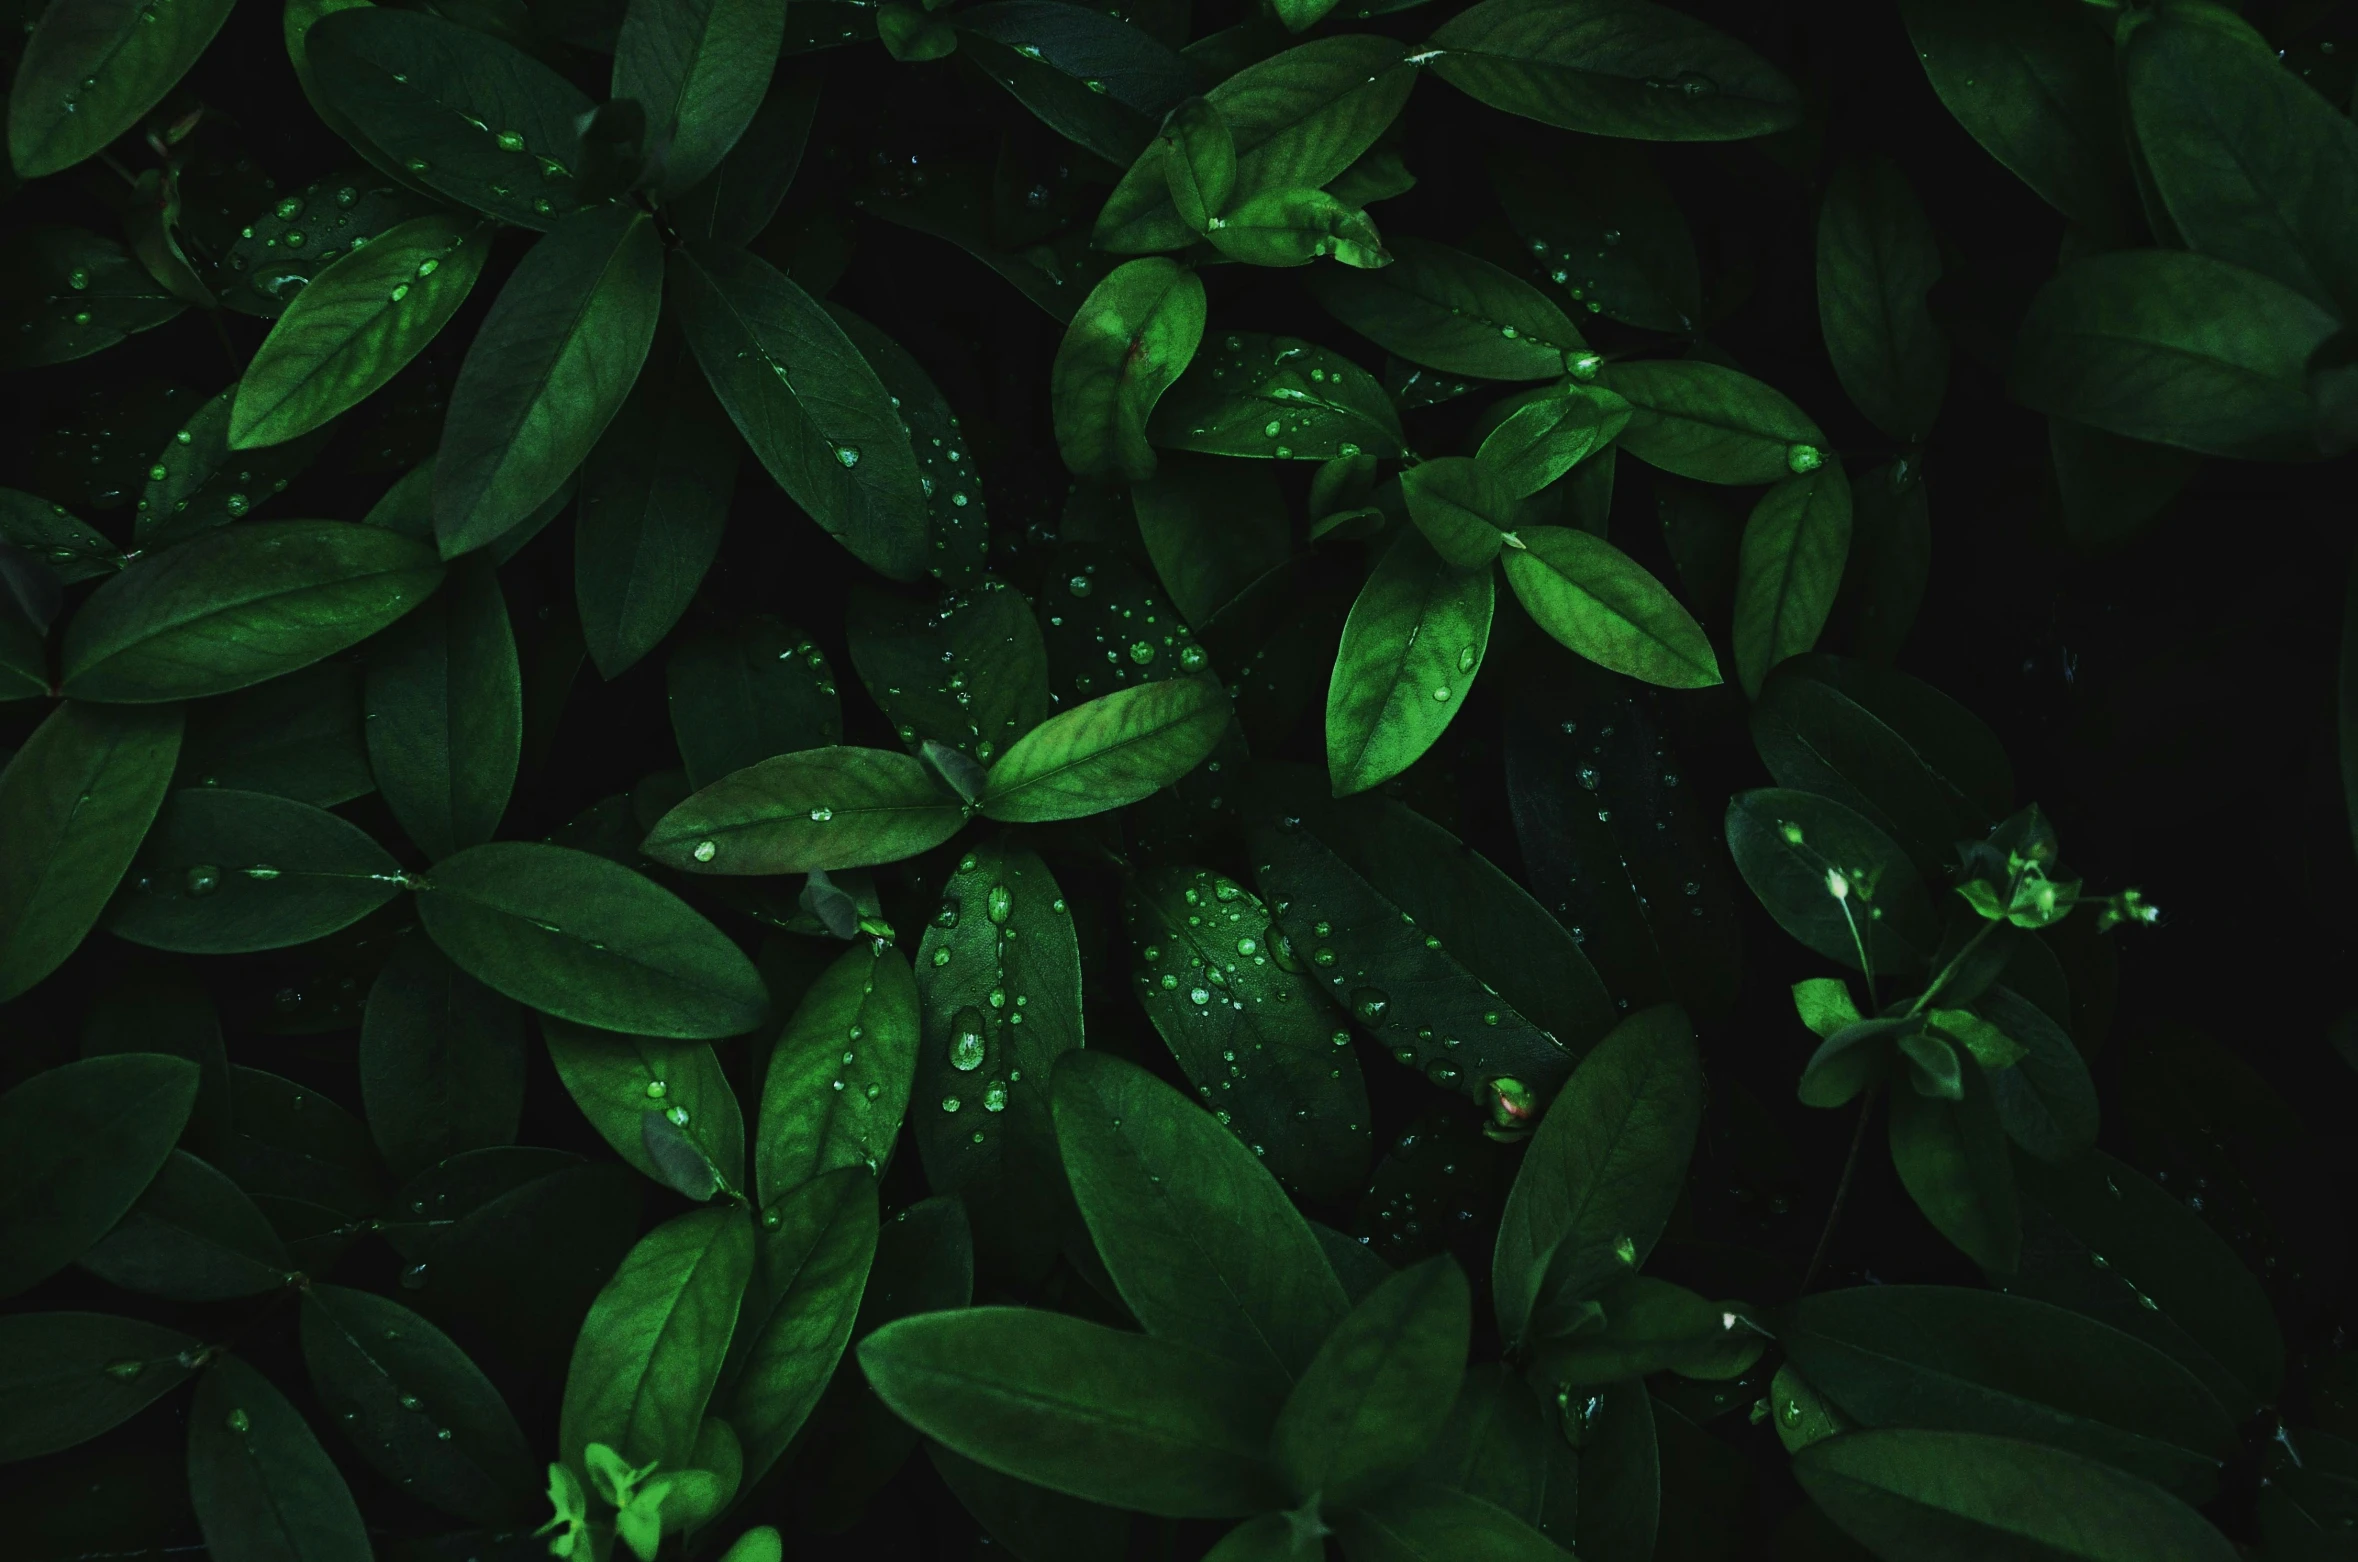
{"x":2046,"y":1100}
{"x":416,"y":1408}
{"x":824,"y":808}
{"x":66,"y":1377}
{"x":356,"y":325}
{"x":228,"y":872}
{"x":806,"y":401}
{"x":1297,"y":119}
{"x":441,"y":1061}
{"x":590,"y":941}
{"x":91,"y":69}
{"x":1217,"y":532}
{"x":2111,"y":486}
{"x":199,"y":482}
{"x":1794,"y":849}
{"x":1504,"y":1446}
{"x":699,"y":68}
{"x":1250,"y":1032}
{"x":1951,"y":1157}
{"x":2104,"y":1240}
{"x":446,"y":713}
{"x":838,"y":1080}
{"x":1604,"y":223}
{"x":66,"y":293}
{"x":1877,"y":259}
{"x":1460,"y":505}
{"x":1713,"y":424}
{"x":651,"y":1349}
{"x":1109,"y":752}
{"x":1549,"y":435}
{"x":1129,"y":340}
{"x":743,"y":693}
{"x":75,"y":802}
{"x":1601,"y":603}
{"x":453,"y":109}
{"x":1097,"y":1413}
{"x":260,"y":273}
{"x":298,"y":1154}
{"x":550,"y":367}
{"x":619,"y":1081}
{"x":1423,"y":1523}
{"x":1447,"y":309}
{"x":1959,"y":1494}
{"x":1603,"y":1172}
{"x":1649,"y":1326}
{"x":2174,"y":348}
{"x":1095,"y":79}
{"x":2036,"y":87}
{"x":957,"y":522}
{"x":1949,"y":1359}
{"x":1617,"y":1431}
{"x":654,"y":501}
{"x":72,"y":548}
{"x":1852,"y":1057}
{"x":1410,"y":651}
{"x":1276,"y":396}
{"x":1378,"y":1391}
{"x":1789,"y":569}
{"x":1199,"y":1238}
{"x":240,"y":605}
{"x":810,"y":1269}
{"x":1199,"y":161}
{"x":968,"y":670}
{"x":263,"y":1488}
{"x":193,"y":1236}
{"x":1613,"y":68}
{"x":1296,"y":227}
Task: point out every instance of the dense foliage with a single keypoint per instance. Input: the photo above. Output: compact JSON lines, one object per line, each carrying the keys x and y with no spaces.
{"x":1103,"y":781}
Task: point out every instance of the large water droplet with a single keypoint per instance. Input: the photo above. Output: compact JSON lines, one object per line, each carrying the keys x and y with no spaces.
{"x":967,"y":1040}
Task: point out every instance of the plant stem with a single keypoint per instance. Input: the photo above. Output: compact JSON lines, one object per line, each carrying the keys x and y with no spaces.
{"x":1850,"y":1166}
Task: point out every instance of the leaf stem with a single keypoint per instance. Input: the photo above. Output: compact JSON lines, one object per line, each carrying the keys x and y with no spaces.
{"x":1850,"y":1166}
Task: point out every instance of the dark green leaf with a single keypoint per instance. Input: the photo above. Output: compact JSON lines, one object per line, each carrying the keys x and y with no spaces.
{"x":1877,"y":258}
{"x":824,"y":808}
{"x":1379,"y":1389}
{"x":69,"y":293}
{"x":810,"y":1269}
{"x":736,"y":201}
{"x":446,"y":713}
{"x":416,"y":1408}
{"x":1199,"y":161}
{"x":91,"y":69}
{"x":1616,"y":1431}
{"x":1450,"y":310}
{"x":240,"y":605}
{"x":1890,"y":558}
{"x":262,"y":271}
{"x":1032,"y":1522}
{"x":1410,"y":651}
{"x":1951,"y":1156}
{"x":75,"y":802}
{"x":1797,"y":851}
{"x":233,"y":872}
{"x":1603,"y":225}
{"x":956,"y":518}
{"x":1648,"y":1326}
{"x":193,"y":1236}
{"x":290,"y":1146}
{"x":264,"y":1490}
{"x":1420,"y":1523}
{"x":1713,"y":424}
{"x":301,"y":736}
{"x":1112,"y":751}
{"x":1596,"y":600}
{"x":1613,"y":68}
{"x":199,"y":481}
{"x":2111,"y":486}
{"x":83,"y":1141}
{"x":67,"y":1377}
{"x":1093,"y":78}
{"x":589,"y":941}
{"x":1216,"y":531}
{"x":441,"y":1061}
{"x":838,"y":1080}
{"x":1504,"y":1444}
{"x":1096,"y":1413}
{"x":73,"y":549}
{"x":746,"y":692}
{"x":1789,"y":569}
{"x":970,"y":672}
{"x":620,"y":1081}
{"x":651,"y":1349}
{"x":2047,"y":1101}
{"x":1295,"y":227}
{"x":1132,"y":337}
{"x":699,"y":69}
{"x":1276,"y":396}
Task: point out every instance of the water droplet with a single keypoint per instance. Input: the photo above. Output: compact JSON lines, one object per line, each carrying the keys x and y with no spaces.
{"x":677,"y":1116}
{"x":1804,"y":458}
{"x":237,"y":1421}
{"x":967,"y":1042}
{"x":510,"y":141}
{"x":951,"y":1103}
{"x":822,"y":815}
{"x":1466,"y":659}
{"x":1191,"y":658}
{"x":125,"y":1370}
{"x":849,"y":455}
{"x":1078,"y":585}
{"x":994,"y":1097}
{"x":1369,"y":1003}
{"x":705,"y":851}
{"x":203,"y":879}
{"x":657,"y":1089}
{"x":999,"y":904}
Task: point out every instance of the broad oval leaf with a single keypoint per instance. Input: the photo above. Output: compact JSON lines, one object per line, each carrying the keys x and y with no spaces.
{"x":547,"y":371}
{"x":1097,"y":1413}
{"x":1796,"y":850}
{"x":75,"y":802}
{"x":1421,"y":1522}
{"x":240,"y":605}
{"x":1447,"y":309}
{"x":1640,"y":1326}
{"x":619,"y":1081}
{"x":1380,"y":1388}
{"x":441,"y":1061}
{"x":1550,"y":434}
{"x":1600,"y":602}
{"x":193,"y":1236}
{"x":1276,"y":396}
{"x":66,"y":1377}
{"x":811,"y":1263}
{"x":743,"y":692}
{"x":811,"y":407}
{"x":590,"y":941}
{"x":233,"y":872}
{"x":1098,"y":80}
{"x":446,"y":713}
{"x":1789,"y":569}
{"x":1951,"y":1156}
{"x":1130,"y":339}
{"x":262,"y":1486}
{"x":199,"y":481}
{"x":699,"y":70}
{"x":91,"y":69}
{"x":1877,"y":259}
{"x":453,"y":109}
{"x":1713,"y":424}
{"x":824,"y":808}
{"x":46,"y":318}
{"x":970,"y":671}
{"x":301,"y":736}
{"x":356,"y":325}
{"x":1109,"y":752}
{"x":84,"y":1141}
{"x":1613,"y":68}
{"x":838,"y":1079}
{"x":1604,"y":222}
{"x":957,"y":520}
{"x":652,"y":1347}
{"x":1410,"y":652}
{"x":1459,"y":504}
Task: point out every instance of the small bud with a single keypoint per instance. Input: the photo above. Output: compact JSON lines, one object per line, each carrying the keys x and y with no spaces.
{"x":1836,"y":885}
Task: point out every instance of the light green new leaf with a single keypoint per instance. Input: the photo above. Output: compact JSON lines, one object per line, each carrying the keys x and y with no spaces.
{"x":590,"y":941}
{"x":261,"y":1485}
{"x":1097,"y":1413}
{"x":62,"y":1380}
{"x":446,"y":713}
{"x":1952,"y":1158}
{"x":1107,"y":753}
{"x":838,"y":1080}
{"x":1410,"y":651}
{"x":2175,"y":348}
{"x":1940,"y":1495}
{"x":811,"y":1260}
{"x":1788,"y":570}
{"x":1713,"y":424}
{"x":823,"y":808}
{"x":1447,"y":309}
{"x":240,"y":605}
{"x":1199,"y":161}
{"x":84,"y":1141}
{"x":1254,"y":394}
{"x":1796,"y":850}
{"x":550,"y":367}
{"x":619,"y":1081}
{"x":1603,"y":1172}
{"x":75,"y":802}
{"x":1296,"y":227}
{"x":91,"y":69}
{"x":1128,"y":341}
{"x":652,"y":1346}
{"x":227,"y":872}
{"x":699,"y":68}
{"x":1601,"y":603}
{"x":811,"y":407}
{"x":1379,"y":1389}
{"x":356,"y":325}
{"x":1877,"y":259}
{"x":1199,"y":1239}
{"x":1613,"y":68}
{"x":441,"y":1061}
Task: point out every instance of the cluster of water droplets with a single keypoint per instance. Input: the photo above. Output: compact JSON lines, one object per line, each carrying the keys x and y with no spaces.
{"x":1276,"y":396}
{"x":982,"y":1045}
{"x":1132,"y":635}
